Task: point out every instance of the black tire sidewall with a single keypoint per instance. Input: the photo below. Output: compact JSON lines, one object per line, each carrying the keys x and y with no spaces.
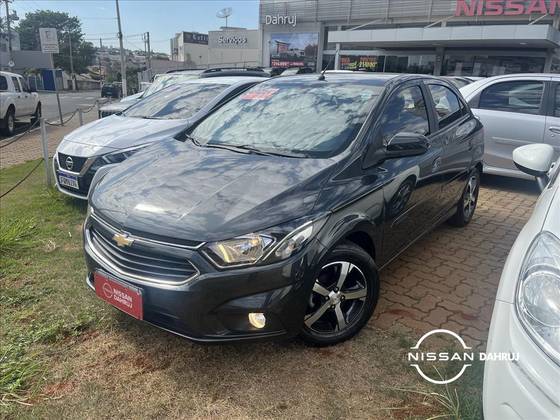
{"x":347,"y":251}
{"x":466,"y":219}
{"x":10,"y":114}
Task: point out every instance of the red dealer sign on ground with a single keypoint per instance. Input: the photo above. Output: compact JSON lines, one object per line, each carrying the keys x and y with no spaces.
{"x":505,"y":7}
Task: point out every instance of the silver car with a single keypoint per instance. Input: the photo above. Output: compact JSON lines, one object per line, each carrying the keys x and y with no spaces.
{"x":515,"y":109}
{"x":160,"y":116}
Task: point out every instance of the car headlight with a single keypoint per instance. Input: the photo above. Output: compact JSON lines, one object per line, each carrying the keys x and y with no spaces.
{"x":538,"y":293}
{"x":272,"y":245}
{"x":121,"y":155}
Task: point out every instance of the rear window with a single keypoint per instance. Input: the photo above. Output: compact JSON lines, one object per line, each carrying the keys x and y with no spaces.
{"x":519,"y":96}
{"x":178,"y":101}
{"x":3,"y":83}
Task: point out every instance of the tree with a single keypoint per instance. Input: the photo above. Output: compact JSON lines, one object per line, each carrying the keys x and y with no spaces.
{"x":68,"y":27}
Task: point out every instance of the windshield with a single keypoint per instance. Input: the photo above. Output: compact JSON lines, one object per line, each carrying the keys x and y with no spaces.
{"x":163,"y":80}
{"x":178,"y":101}
{"x":314,"y":117}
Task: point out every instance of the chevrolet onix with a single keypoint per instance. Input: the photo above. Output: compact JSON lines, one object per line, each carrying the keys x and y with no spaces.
{"x":273,"y":216}
{"x":113,"y":139}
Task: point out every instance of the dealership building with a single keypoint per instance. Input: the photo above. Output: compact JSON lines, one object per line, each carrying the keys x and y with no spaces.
{"x":441,"y":37}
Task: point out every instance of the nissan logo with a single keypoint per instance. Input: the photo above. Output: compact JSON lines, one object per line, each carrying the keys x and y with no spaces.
{"x":69,"y":163}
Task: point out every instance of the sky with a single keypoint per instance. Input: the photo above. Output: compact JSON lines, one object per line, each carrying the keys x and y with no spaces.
{"x":162,"y":18}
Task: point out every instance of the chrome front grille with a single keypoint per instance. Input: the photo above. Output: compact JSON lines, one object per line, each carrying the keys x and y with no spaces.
{"x":141,"y":260}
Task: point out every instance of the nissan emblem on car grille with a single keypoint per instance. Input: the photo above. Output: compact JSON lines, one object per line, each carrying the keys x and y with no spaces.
{"x":69,"y":163}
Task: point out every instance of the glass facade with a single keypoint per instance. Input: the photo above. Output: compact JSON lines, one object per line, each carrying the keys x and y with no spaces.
{"x":421,"y":63}
{"x":477,"y":64}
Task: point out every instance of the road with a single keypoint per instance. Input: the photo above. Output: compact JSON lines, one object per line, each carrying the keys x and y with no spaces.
{"x":69,"y":101}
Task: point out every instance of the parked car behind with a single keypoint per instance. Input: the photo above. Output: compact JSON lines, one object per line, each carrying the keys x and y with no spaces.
{"x":111,"y":90}
{"x":274,"y":214}
{"x":526,"y":317}
{"x":113,"y":139}
{"x":17,"y":101}
{"x":161,"y":81}
{"x":515,"y":109}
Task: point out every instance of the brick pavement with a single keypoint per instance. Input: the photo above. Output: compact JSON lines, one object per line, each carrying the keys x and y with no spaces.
{"x":449,"y":278}
{"x":29,"y":147}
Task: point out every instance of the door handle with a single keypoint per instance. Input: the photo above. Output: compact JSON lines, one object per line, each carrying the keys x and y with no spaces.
{"x":554,"y":129}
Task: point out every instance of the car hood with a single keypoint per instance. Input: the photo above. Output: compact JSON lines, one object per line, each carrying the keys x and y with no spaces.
{"x":182,"y":191}
{"x":118,"y":132}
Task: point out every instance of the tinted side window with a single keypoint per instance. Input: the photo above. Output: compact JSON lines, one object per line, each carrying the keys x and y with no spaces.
{"x":520,"y":96}
{"x":448,"y":105}
{"x":557,"y":101}
{"x":3,"y":83}
{"x":24,"y":85}
{"x":405,"y":111}
{"x":16,"y":84}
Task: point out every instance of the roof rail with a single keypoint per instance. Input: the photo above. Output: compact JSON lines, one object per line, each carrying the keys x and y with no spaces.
{"x":177,"y":70}
{"x":216,"y":69}
{"x":234,"y":71}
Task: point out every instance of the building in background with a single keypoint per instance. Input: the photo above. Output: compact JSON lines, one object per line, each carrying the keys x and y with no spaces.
{"x":234,"y":47}
{"x":442,"y":37}
{"x":190,"y":48}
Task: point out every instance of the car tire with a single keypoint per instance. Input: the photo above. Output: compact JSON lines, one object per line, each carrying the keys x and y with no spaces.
{"x":468,"y":201}
{"x":343,"y":297}
{"x":37,"y":114}
{"x":9,"y":123}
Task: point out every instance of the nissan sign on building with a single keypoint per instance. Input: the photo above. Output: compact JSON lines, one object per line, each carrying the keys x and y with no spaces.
{"x":442,"y":37}
{"x":235,"y":47}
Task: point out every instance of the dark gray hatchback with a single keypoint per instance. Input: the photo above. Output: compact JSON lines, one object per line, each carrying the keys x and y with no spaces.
{"x":273,"y":215}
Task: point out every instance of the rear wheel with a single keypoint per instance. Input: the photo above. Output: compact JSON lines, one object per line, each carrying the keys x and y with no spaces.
{"x":343,"y":298}
{"x":37,"y":114}
{"x":467,"y":204}
{"x":9,"y":125}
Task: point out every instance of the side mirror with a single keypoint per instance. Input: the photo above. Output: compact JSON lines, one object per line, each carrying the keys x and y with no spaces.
{"x":32,"y":89}
{"x":406,"y":144}
{"x":535,"y":159}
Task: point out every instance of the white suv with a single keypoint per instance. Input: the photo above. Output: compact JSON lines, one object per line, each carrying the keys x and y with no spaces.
{"x":17,"y":101}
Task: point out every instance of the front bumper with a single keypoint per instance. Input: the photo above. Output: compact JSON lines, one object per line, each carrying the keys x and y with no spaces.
{"x":213,"y":305}
{"x":84,"y":178}
{"x":525,"y":389}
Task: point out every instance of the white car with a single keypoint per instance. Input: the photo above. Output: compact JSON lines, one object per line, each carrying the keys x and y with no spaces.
{"x":526,"y":317}
{"x":515,"y":109}
{"x":17,"y":101}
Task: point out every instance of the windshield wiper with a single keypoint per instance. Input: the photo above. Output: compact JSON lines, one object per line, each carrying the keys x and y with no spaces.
{"x":271,"y":152}
{"x":195,"y":141}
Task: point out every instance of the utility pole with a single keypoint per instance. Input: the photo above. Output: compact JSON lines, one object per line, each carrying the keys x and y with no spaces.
{"x":72,"y":76}
{"x":99,"y":59}
{"x":123,"y":58}
{"x":11,"y":58}
{"x":149,"y":55}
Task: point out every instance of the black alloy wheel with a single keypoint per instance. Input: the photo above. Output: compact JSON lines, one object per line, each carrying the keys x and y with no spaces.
{"x":343,"y":297}
{"x":469,"y":199}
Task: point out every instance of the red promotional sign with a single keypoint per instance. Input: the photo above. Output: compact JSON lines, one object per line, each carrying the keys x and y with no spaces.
{"x":124,"y":297}
{"x":505,"y":7}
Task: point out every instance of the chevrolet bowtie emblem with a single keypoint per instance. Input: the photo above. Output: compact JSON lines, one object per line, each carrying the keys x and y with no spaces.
{"x":122,"y":239}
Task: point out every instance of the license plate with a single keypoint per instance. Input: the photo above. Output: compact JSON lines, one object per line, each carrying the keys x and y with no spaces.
{"x":68,"y":181}
{"x":121,"y":295}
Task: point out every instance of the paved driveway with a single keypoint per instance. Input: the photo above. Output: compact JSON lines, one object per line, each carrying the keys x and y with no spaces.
{"x":449,"y":278}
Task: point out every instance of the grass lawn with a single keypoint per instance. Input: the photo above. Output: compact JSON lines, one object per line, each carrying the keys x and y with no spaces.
{"x":64,"y":353}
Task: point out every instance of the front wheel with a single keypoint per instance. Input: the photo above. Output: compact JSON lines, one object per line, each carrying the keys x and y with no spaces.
{"x":467,"y":204}
{"x":343,"y":298}
{"x":9,"y":126}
